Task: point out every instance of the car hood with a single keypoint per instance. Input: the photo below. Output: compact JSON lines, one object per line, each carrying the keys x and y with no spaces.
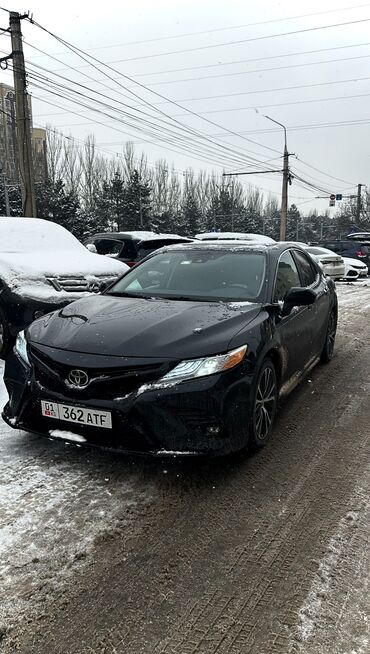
{"x":64,"y":263}
{"x":354,"y":262}
{"x":137,"y":327}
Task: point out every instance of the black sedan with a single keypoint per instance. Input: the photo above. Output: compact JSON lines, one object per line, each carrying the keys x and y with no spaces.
{"x":187,"y":353}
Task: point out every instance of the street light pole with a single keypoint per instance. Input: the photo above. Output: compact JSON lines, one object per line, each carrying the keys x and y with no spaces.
{"x":286,"y":177}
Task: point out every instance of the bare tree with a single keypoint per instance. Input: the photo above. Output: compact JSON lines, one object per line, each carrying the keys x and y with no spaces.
{"x":72,"y":168}
{"x":54,"y":154}
{"x":93,"y":173}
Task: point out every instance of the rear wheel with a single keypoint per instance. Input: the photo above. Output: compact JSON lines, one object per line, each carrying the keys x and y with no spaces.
{"x":264,"y":406}
{"x":4,"y":335}
{"x":328,"y":349}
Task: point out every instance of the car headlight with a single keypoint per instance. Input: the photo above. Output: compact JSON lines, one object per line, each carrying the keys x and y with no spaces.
{"x":195,"y":368}
{"x":21,"y":348}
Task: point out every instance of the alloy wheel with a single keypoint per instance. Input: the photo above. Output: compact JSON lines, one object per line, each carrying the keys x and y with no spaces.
{"x":265,"y":403}
{"x":332,"y":329}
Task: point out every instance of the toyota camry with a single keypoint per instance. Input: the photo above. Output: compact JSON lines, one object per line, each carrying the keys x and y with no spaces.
{"x":187,"y":353}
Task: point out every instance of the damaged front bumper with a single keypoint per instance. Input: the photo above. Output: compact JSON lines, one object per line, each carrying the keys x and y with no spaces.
{"x":208,"y":416}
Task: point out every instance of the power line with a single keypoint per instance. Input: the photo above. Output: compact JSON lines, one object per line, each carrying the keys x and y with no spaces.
{"x":38,"y":77}
{"x":222,"y":146}
{"x":338,"y":179}
{"x":269,"y":90}
{"x":250,"y":108}
{"x":259,"y":70}
{"x":225,"y":29}
{"x":81,"y":54}
{"x":254,"y":60}
{"x":231,"y":43}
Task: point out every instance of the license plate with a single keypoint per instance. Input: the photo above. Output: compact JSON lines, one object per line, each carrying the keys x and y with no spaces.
{"x":76,"y":414}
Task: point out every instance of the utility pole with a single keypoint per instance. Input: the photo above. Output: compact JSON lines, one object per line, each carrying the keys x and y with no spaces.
{"x":23,"y":119}
{"x":358,"y":206}
{"x":284,"y":194}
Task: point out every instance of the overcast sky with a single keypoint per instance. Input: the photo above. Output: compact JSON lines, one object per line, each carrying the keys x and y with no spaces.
{"x":191,"y":52}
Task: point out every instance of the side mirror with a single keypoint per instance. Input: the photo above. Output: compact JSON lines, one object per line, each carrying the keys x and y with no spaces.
{"x":297,"y":297}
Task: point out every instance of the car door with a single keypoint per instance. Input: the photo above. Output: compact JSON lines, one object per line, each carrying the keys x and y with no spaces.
{"x":293,"y":332}
{"x":317,"y":316}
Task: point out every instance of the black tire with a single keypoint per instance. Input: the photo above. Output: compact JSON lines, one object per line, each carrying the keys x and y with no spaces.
{"x":328,"y":349}
{"x":264,"y":406}
{"x":4,"y":335}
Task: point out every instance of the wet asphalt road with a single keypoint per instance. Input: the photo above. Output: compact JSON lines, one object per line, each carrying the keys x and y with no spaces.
{"x":263,"y":555}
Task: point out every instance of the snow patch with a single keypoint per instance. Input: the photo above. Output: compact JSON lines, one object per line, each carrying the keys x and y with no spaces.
{"x":67,"y":435}
{"x":321,"y":586}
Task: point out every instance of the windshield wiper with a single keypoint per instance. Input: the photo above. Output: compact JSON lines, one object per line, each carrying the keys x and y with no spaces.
{"x":134,"y":295}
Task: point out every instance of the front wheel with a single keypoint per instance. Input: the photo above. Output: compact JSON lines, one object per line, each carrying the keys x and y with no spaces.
{"x":328,"y":349}
{"x":264,"y":406}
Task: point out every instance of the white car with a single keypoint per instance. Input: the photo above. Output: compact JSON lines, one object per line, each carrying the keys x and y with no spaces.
{"x":354,"y":268}
{"x":235,"y":236}
{"x":44,"y":267}
{"x":331,"y":263}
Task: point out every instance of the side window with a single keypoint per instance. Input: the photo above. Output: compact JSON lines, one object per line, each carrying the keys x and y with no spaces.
{"x":108,"y":246}
{"x":286,"y":277}
{"x":335,"y":247}
{"x":128,"y":250}
{"x":306,"y":269}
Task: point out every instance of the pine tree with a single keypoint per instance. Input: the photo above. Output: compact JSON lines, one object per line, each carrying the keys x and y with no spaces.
{"x":54,"y":203}
{"x":136,"y":204}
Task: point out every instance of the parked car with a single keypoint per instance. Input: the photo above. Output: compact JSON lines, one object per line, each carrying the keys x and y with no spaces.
{"x":332,"y":263}
{"x":42,"y":267}
{"x":354,"y":268}
{"x":235,"y":236}
{"x":359,"y":236}
{"x":187,"y":353}
{"x":131,"y":247}
{"x":352,"y":249}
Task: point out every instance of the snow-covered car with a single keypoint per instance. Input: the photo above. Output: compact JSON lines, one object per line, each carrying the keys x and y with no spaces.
{"x":354,"y":268}
{"x":44,"y":267}
{"x":235,"y":236}
{"x":331,"y":263}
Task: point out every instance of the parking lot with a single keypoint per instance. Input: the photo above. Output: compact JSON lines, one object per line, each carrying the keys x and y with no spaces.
{"x":102,"y":553}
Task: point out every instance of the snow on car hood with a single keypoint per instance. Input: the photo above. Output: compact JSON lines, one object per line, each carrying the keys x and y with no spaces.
{"x":27,"y":274}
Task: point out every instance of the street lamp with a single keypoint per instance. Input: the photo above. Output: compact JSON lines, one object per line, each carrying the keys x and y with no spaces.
{"x":286,"y":179}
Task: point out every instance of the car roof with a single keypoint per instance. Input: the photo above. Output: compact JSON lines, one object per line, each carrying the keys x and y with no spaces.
{"x":234,"y":236}
{"x":233,"y":246}
{"x":139,"y":236}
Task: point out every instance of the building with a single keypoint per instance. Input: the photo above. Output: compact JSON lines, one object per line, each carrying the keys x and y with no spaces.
{"x":8,"y":140}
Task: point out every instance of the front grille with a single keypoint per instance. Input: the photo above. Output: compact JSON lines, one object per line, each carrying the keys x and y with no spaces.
{"x":80,"y":284}
{"x":105,"y":383}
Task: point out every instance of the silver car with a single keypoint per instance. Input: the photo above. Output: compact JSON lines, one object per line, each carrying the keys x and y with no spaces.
{"x":332,"y":263}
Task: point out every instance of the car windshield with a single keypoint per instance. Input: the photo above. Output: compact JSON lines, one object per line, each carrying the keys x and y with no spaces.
{"x":207,"y":275}
{"x":320,"y":251}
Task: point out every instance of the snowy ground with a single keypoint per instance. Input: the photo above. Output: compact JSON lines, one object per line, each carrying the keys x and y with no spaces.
{"x":58,"y":501}
{"x":55,"y":500}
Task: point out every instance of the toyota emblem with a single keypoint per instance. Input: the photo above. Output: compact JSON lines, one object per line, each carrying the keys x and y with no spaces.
{"x":78,"y":378}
